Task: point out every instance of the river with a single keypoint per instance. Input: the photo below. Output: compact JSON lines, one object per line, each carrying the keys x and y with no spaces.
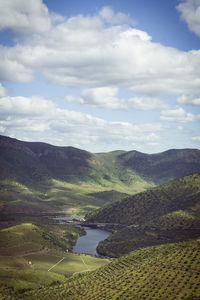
{"x":88,"y":243}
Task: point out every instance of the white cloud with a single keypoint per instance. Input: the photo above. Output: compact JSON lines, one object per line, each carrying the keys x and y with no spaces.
{"x":43,"y":120}
{"x":100,"y":97}
{"x":103,"y":97}
{"x":2,"y":91}
{"x":108,"y":15}
{"x":11,"y":68}
{"x":146,"y":103}
{"x":185,"y":99}
{"x":24,"y":16}
{"x":23,"y":106}
{"x":178,"y":115}
{"x":196,"y":138}
{"x":84,"y":51}
{"x":190,"y":13}
{"x":107,"y":97}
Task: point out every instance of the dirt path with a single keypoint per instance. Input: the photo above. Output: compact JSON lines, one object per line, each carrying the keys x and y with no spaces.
{"x":83,"y":270}
{"x":85,"y":263}
{"x":56,"y":264}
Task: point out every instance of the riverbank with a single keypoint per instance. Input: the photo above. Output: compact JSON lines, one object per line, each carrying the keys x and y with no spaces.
{"x":86,"y":244}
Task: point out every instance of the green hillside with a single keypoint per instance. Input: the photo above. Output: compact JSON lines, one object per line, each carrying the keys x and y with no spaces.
{"x":152,"y":233}
{"x":66,"y":179}
{"x":162,"y":272}
{"x":38,"y":178}
{"x":165,"y":214}
{"x":34,"y":164}
{"x":178,"y":194}
{"x":60,"y":197}
{"x":36,"y":252}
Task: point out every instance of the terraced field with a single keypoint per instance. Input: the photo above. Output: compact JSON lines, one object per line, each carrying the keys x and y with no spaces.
{"x":163,"y":272}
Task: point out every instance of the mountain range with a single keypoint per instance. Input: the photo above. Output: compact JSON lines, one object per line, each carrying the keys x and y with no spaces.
{"x":33,"y":162}
{"x":37,"y":177}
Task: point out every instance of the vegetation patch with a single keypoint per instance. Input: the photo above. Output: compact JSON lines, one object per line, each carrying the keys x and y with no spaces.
{"x":163,"y":272}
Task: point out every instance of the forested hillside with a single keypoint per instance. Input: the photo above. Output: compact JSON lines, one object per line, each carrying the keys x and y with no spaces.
{"x":165,"y":214}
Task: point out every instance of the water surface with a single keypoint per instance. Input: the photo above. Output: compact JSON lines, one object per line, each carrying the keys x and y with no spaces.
{"x":88,"y":243}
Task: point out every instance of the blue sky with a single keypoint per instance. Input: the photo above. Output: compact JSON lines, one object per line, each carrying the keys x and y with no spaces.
{"x":101,"y":75}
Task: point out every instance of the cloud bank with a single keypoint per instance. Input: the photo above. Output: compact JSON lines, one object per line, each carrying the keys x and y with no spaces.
{"x":107,"y":97}
{"x":84,"y":51}
{"x":178,"y":115}
{"x":46,"y":121}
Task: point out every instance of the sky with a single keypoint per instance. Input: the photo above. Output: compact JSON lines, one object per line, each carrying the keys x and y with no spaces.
{"x":101,"y":75}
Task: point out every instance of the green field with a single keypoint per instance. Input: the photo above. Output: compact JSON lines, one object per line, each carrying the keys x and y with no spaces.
{"x":162,"y":272}
{"x":33,"y":254}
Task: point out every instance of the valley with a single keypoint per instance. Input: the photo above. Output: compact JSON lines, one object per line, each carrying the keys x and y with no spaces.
{"x":148,"y":203}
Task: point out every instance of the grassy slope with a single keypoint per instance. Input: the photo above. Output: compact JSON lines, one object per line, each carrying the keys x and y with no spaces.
{"x":162,"y":272}
{"x":165,"y":214}
{"x":58,"y":174}
{"x":44,"y":245}
{"x":24,"y":237}
{"x":70,"y":198}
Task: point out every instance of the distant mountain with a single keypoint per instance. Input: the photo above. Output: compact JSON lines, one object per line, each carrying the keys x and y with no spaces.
{"x":40,"y":178}
{"x":164,"y":166}
{"x":32,"y":162}
{"x":61,"y":174}
{"x":29,"y":162}
{"x":164,"y":214}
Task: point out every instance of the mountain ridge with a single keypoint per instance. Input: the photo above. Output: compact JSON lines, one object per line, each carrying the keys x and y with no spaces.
{"x":65,"y":178}
{"x":69,"y":163}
